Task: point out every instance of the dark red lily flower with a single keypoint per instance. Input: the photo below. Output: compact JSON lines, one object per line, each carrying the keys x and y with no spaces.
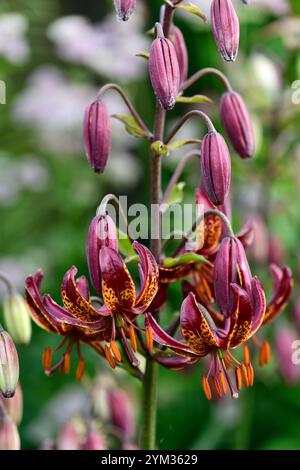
{"x":203,"y":337}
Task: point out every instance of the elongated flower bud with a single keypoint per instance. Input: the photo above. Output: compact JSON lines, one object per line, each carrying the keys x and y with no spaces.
{"x":9,"y":436}
{"x":226,"y":28}
{"x":97,"y":135}
{"x":231,"y":266}
{"x":164,"y":70}
{"x":121,"y":412}
{"x":237,"y":124}
{"x":102,"y":232}
{"x":178,"y":41}
{"x":124,"y":9}
{"x":14,"y":405}
{"x":17,"y":318}
{"x":9,"y":365}
{"x":216,"y":167}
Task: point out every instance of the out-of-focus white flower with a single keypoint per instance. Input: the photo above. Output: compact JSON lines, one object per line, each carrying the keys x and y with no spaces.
{"x":13,"y":43}
{"x":26,"y":173}
{"x":108,"y":48}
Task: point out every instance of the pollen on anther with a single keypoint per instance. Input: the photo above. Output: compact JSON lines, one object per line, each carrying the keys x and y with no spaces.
{"x":47,"y":358}
{"x":238,"y":378}
{"x":246,"y":354}
{"x":149,"y":339}
{"x":216,"y":386}
{"x":116,"y":351}
{"x":80,"y":369}
{"x":206,"y":388}
{"x":245,"y":375}
{"x":223,"y":382}
{"x":109,"y":357}
{"x":133,"y":338}
{"x":67,"y":363}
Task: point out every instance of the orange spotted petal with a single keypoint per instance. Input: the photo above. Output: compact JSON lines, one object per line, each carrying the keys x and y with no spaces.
{"x":75,"y":296}
{"x":197,"y":326}
{"x":240,"y":318}
{"x":149,"y":277}
{"x":118,"y":289}
{"x":258,"y":304}
{"x":283,"y":284}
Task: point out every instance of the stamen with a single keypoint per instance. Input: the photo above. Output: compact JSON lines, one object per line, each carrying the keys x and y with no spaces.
{"x":109,"y":357}
{"x":132,"y":338}
{"x":250,"y":371}
{"x":67,"y":362}
{"x":246,"y":354}
{"x":267,"y":352}
{"x":245,"y":375}
{"x":58,"y":366}
{"x":238,"y":379}
{"x":206,"y":388}
{"x":115,"y":350}
{"x":133,"y":360}
{"x":149,"y":338}
{"x":216,"y":386}
{"x":61,"y":344}
{"x":80,"y":369}
{"x":61,"y":368}
{"x":47,"y":358}
{"x":223,"y":382}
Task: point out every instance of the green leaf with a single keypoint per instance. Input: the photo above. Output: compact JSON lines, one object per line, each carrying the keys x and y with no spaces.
{"x":143,"y":55}
{"x":184,"y":259}
{"x":125,"y":246}
{"x":177,"y":194}
{"x":180,"y":143}
{"x":193,"y":99}
{"x":131,"y":126}
{"x":160,"y":148}
{"x":191,"y":8}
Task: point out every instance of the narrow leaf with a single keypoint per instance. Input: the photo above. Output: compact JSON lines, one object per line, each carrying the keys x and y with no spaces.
{"x":125,"y":246}
{"x":184,"y":259}
{"x":131,"y":126}
{"x":191,"y":8}
{"x":193,"y":99}
{"x":143,"y":55}
{"x":180,"y":143}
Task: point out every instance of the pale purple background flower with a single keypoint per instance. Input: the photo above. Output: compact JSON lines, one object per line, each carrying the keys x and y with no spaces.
{"x":284,"y":351}
{"x":13,"y":42}
{"x":107,"y":48}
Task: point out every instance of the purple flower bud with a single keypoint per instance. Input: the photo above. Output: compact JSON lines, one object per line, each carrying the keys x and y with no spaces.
{"x":237,"y":124}
{"x":215,"y":167}
{"x":164,"y":70}
{"x":9,"y":365}
{"x":226,"y":28}
{"x":102,"y":232}
{"x":9,"y":436}
{"x":97,"y":135}
{"x":121,"y":413}
{"x":231,"y":266}
{"x":284,"y":352}
{"x":124,"y":9}
{"x":178,"y":41}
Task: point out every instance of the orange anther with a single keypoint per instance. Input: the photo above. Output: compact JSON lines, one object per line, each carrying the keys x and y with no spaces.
{"x":47,"y":358}
{"x":67,"y":362}
{"x":246,"y":354}
{"x":116,"y":351}
{"x":133,"y":338}
{"x":245,"y":375}
{"x":238,"y":379}
{"x":223,"y":382}
{"x":149,"y":339}
{"x":80,"y":369}
{"x":250,"y":371}
{"x":216,"y":386}
{"x":109,"y":357}
{"x":267,"y":351}
{"x":206,"y":388}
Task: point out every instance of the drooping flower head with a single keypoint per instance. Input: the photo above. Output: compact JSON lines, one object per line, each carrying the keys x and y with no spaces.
{"x":226,"y":28}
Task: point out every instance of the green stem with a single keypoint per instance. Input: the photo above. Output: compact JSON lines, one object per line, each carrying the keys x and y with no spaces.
{"x":148,"y":437}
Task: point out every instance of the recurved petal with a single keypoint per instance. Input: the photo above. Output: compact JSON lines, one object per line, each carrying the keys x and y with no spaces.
{"x":118,"y":289}
{"x":283,"y":284}
{"x":78,"y":305}
{"x":161,"y":337}
{"x":175,"y":362}
{"x":148,"y":275}
{"x":258,"y":304}
{"x":38,"y":312}
{"x":197,"y":327}
{"x":241,"y":318}
{"x":98,"y":329}
{"x":209,"y":230}
{"x":174,"y":273}
{"x":246,"y":234}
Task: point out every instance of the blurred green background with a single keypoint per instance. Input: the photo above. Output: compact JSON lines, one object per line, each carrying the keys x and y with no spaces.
{"x":54,"y":55}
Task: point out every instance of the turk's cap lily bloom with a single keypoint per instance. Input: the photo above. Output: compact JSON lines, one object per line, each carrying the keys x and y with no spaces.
{"x":80,"y":321}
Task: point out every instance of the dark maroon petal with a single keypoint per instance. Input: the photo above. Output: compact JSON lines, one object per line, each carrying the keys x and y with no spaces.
{"x":258,"y":304}
{"x":83,"y":287}
{"x":209,"y":230}
{"x":77,"y":305}
{"x":240,"y":318}
{"x":246,"y":234}
{"x":124,"y":9}
{"x":197,"y":327}
{"x":161,"y":337}
{"x":97,"y":135}
{"x":174,"y":273}
{"x":164,"y":71}
{"x":149,"y":277}
{"x":226,"y":29}
{"x":215,"y":167}
{"x":283,"y":284}
{"x":175,"y":362}
{"x":102,"y":232}
{"x":178,"y":42}
{"x":160,"y":298}
{"x":118,"y":289}
{"x":237,"y":124}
